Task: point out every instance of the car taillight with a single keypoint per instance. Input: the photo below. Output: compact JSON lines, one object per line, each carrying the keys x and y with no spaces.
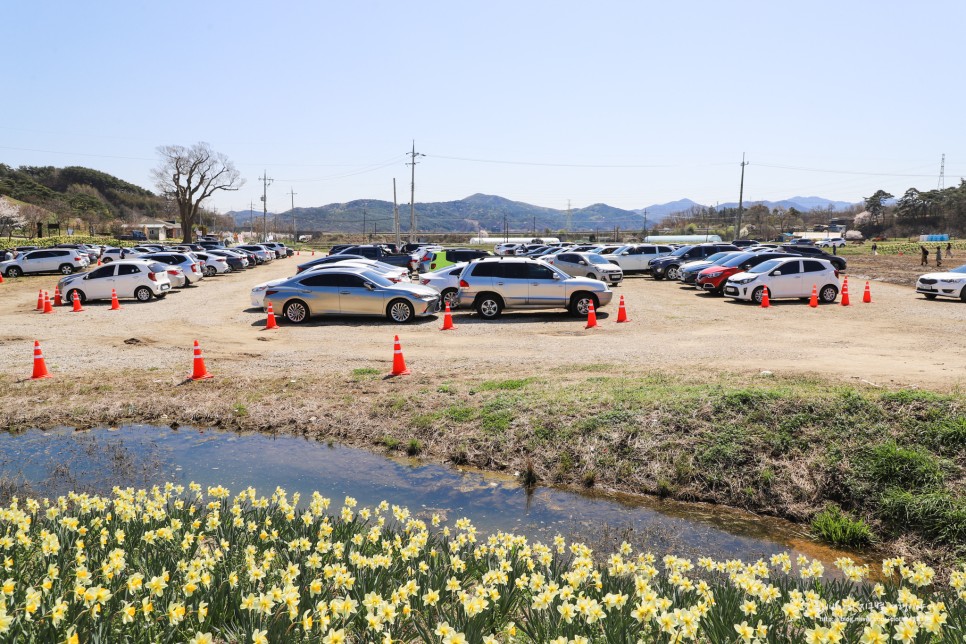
{"x":432,"y":266}
{"x":394,"y":280}
{"x":836,"y":273}
{"x":424,"y":282}
{"x":172,"y":272}
{"x":299,"y":270}
{"x":152,"y":277}
{"x":270,"y":292}
{"x":464,"y":284}
{"x":77,"y":259}
{"x":194,"y":268}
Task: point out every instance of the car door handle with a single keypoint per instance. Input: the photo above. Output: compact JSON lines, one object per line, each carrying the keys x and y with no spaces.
{"x":499,"y":283}
{"x":344,"y":293}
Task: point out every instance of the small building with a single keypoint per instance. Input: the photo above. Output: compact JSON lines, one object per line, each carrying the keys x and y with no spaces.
{"x":158,"y":229}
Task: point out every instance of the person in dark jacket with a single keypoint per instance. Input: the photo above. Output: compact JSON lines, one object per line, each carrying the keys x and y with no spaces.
{"x":925,"y":256}
{"x":939,"y":256}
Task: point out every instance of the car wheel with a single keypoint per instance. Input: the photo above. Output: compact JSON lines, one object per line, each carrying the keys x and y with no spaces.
{"x":70,"y":296}
{"x":229,"y":270}
{"x":448,"y":296}
{"x":591,"y":276}
{"x":931,"y":296}
{"x":210,"y":271}
{"x":66,"y":269}
{"x":758,"y":295}
{"x":106,"y":260}
{"x":296,"y":312}
{"x":14,"y":271}
{"x":657,"y":276}
{"x":580,"y":303}
{"x":962,"y":294}
{"x":489,"y":306}
{"x":828,"y":294}
{"x":673,"y":272}
{"x":400,"y":311}
{"x":142,"y":294}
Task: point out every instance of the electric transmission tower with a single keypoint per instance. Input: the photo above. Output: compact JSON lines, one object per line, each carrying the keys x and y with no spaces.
{"x":942,"y":172}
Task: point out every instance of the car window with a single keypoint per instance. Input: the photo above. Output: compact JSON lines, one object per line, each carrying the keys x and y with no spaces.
{"x":128,"y":269}
{"x":103,"y":271}
{"x":487,"y":269}
{"x":567,"y":257}
{"x":812,"y":266}
{"x":157,"y":267}
{"x":515,"y":271}
{"x":321,"y":279}
{"x":764,"y":267}
{"x":457,"y":271}
{"x":539,"y":272}
{"x":597,"y":259}
{"x":351,"y":281}
{"x":789,"y":268}
{"x":738,"y":260}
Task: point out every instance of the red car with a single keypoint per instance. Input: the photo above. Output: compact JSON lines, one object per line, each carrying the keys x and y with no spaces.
{"x":713,"y":278}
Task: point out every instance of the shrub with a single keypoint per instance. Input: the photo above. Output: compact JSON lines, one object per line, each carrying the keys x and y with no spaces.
{"x":836,"y":527}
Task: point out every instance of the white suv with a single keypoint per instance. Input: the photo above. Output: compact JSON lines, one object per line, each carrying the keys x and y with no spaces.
{"x":46,"y":260}
{"x":135,"y":278}
{"x":788,"y":277}
{"x":828,"y":243}
{"x":493,"y":284}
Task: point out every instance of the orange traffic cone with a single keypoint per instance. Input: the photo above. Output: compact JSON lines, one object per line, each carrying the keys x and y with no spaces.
{"x":398,"y":362}
{"x":622,"y":312}
{"x":40,"y":300}
{"x":98,"y":261}
{"x":298,"y":252}
{"x":77,"y":304}
{"x":40,"y":367}
{"x":447,"y":320}
{"x":765,"y":302}
{"x":271,"y":323}
{"x":845,"y":292}
{"x":47,"y":307}
{"x":591,"y":316}
{"x":313,"y":253}
{"x":200,"y":370}
{"x":1,"y":278}
{"x":813,"y":302}
{"x":867,"y":296}
{"x":115,"y":305}
{"x":57,"y":300}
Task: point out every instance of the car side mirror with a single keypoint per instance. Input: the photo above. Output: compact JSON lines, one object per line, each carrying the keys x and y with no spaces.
{"x":745,"y":267}
{"x":556,"y":276}
{"x":775,"y":272}
{"x":370,"y":286}
{"x":582,"y":263}
{"x":625,"y":253}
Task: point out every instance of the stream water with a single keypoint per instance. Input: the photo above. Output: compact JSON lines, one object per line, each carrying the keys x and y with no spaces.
{"x":49,"y":463}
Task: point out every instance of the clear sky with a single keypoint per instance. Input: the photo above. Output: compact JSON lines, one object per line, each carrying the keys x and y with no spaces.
{"x":625,"y":103}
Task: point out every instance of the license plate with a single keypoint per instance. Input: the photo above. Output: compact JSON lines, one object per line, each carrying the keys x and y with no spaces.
{"x":165,"y":287}
{"x":926,"y":288}
{"x":731,"y":289}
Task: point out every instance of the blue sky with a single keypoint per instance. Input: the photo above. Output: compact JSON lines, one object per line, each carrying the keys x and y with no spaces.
{"x":626,"y":103}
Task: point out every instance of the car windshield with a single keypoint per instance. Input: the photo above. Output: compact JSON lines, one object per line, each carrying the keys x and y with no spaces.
{"x":961,"y":269}
{"x":680,"y":251}
{"x":158,"y":267}
{"x":594,"y":258}
{"x":718,"y":256}
{"x":737,"y":260}
{"x":764,"y":267}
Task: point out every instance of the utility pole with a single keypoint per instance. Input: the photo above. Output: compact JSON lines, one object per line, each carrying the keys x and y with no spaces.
{"x":364,"y":229}
{"x":570,"y":218}
{"x":412,"y":193}
{"x":741,"y":197}
{"x":265,"y":183}
{"x":251,"y":218}
{"x":395,"y":216}
{"x":942,"y":172}
{"x":295,"y":231}
{"x":645,"y":225}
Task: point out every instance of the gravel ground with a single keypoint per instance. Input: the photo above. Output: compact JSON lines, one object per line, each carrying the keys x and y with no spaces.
{"x":900,"y":340}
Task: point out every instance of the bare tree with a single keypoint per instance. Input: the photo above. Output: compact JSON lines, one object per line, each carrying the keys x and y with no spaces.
{"x":32,"y":216}
{"x":9,"y":218}
{"x":191,"y":175}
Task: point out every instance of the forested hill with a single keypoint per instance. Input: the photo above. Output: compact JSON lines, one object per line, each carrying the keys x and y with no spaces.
{"x":486,"y":212}
{"x":74,"y":191}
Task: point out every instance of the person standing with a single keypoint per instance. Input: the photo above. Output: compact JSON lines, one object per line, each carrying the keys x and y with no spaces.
{"x":925,"y":256}
{"x":949,"y":249}
{"x":875,"y":249}
{"x":939,"y":256}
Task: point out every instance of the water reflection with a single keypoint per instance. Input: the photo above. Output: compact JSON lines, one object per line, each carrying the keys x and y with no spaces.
{"x":53,"y":462}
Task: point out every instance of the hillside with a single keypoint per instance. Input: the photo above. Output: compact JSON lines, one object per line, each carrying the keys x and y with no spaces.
{"x":74,"y":191}
{"x":476,"y":212}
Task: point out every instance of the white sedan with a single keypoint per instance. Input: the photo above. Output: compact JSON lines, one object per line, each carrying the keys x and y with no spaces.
{"x":948,"y":284}
{"x":446,"y":281}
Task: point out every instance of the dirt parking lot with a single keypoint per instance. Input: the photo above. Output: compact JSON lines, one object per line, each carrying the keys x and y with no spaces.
{"x":898,"y":340}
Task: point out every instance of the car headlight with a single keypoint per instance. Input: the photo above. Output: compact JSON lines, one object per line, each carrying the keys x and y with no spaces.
{"x":710,"y":275}
{"x":743,"y":280}
{"x":954,"y":280}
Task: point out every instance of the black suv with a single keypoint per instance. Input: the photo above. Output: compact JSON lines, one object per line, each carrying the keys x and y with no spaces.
{"x":814,"y":251}
{"x":668,"y":265}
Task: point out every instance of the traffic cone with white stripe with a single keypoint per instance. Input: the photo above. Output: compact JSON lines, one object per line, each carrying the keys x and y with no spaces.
{"x":447,"y":320}
{"x":398,"y":362}
{"x":47,"y":307}
{"x":77,"y":303}
{"x":40,"y":367}
{"x":57,"y":300}
{"x":271,"y":323}
{"x":845,"y":292}
{"x":813,"y":301}
{"x":765,"y":302}
{"x":200,"y":371}
{"x":622,"y":312}
{"x":591,"y":316}
{"x":40,"y":300}
{"x":867,"y":296}
{"x":115,"y":305}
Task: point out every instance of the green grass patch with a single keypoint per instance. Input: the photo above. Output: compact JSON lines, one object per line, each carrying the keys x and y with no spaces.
{"x":459,"y":413}
{"x":505,"y":385}
{"x":365,"y":371}
{"x":838,"y":528}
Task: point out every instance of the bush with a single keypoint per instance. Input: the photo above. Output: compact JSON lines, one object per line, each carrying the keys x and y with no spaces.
{"x":838,"y":528}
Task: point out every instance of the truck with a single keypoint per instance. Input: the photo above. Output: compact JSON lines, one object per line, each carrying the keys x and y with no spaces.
{"x":381,"y":253}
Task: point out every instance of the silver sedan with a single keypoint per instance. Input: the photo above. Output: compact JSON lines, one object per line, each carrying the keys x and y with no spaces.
{"x":349,"y":291}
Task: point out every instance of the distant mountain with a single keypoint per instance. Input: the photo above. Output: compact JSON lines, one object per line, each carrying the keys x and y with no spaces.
{"x":804,"y":204}
{"x":474,"y":213}
{"x":657,"y":212}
